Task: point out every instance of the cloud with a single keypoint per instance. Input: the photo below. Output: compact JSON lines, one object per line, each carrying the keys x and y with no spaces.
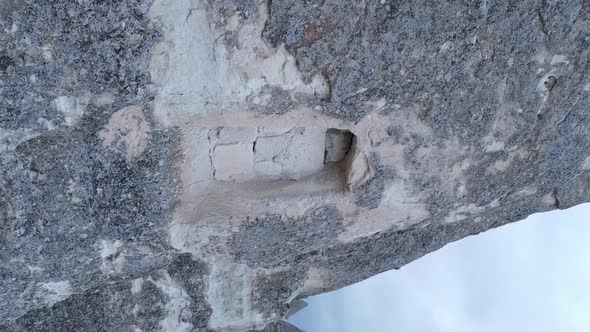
{"x":526,"y":276}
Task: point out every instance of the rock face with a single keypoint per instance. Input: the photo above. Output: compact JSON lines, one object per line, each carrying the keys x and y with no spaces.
{"x":199,"y":165}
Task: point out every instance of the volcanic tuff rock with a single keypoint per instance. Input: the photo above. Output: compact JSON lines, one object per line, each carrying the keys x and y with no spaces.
{"x":198,"y":165}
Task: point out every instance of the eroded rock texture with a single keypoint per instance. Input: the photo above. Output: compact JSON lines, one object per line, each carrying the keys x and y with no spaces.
{"x":199,"y":165}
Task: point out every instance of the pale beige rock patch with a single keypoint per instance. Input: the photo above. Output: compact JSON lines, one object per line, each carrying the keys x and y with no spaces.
{"x":129,"y":128}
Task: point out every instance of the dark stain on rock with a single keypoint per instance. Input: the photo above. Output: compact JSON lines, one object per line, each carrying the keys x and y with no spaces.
{"x":550,"y":82}
{"x":274,"y":289}
{"x":190,"y":274}
{"x":108,"y":308}
{"x":369,"y":195}
{"x":272,"y":241}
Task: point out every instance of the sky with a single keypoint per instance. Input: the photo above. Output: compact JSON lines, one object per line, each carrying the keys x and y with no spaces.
{"x":533,"y":275}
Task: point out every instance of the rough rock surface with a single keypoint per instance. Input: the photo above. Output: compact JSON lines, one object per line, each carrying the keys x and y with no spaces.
{"x":169,"y":165}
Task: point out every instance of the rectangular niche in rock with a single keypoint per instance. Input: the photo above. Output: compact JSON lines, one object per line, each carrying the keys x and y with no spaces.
{"x":244,"y":154}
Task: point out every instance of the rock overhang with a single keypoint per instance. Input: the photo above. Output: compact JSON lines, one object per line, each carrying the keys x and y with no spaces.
{"x":198,"y":170}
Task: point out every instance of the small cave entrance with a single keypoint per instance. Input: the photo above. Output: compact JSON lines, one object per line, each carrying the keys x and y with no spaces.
{"x":338,"y":145}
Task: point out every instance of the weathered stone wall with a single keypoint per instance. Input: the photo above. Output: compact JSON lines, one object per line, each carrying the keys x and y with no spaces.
{"x":172,"y":165}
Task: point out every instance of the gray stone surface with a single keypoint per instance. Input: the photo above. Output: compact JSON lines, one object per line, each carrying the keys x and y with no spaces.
{"x":466,"y":115}
{"x":280,"y":327}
